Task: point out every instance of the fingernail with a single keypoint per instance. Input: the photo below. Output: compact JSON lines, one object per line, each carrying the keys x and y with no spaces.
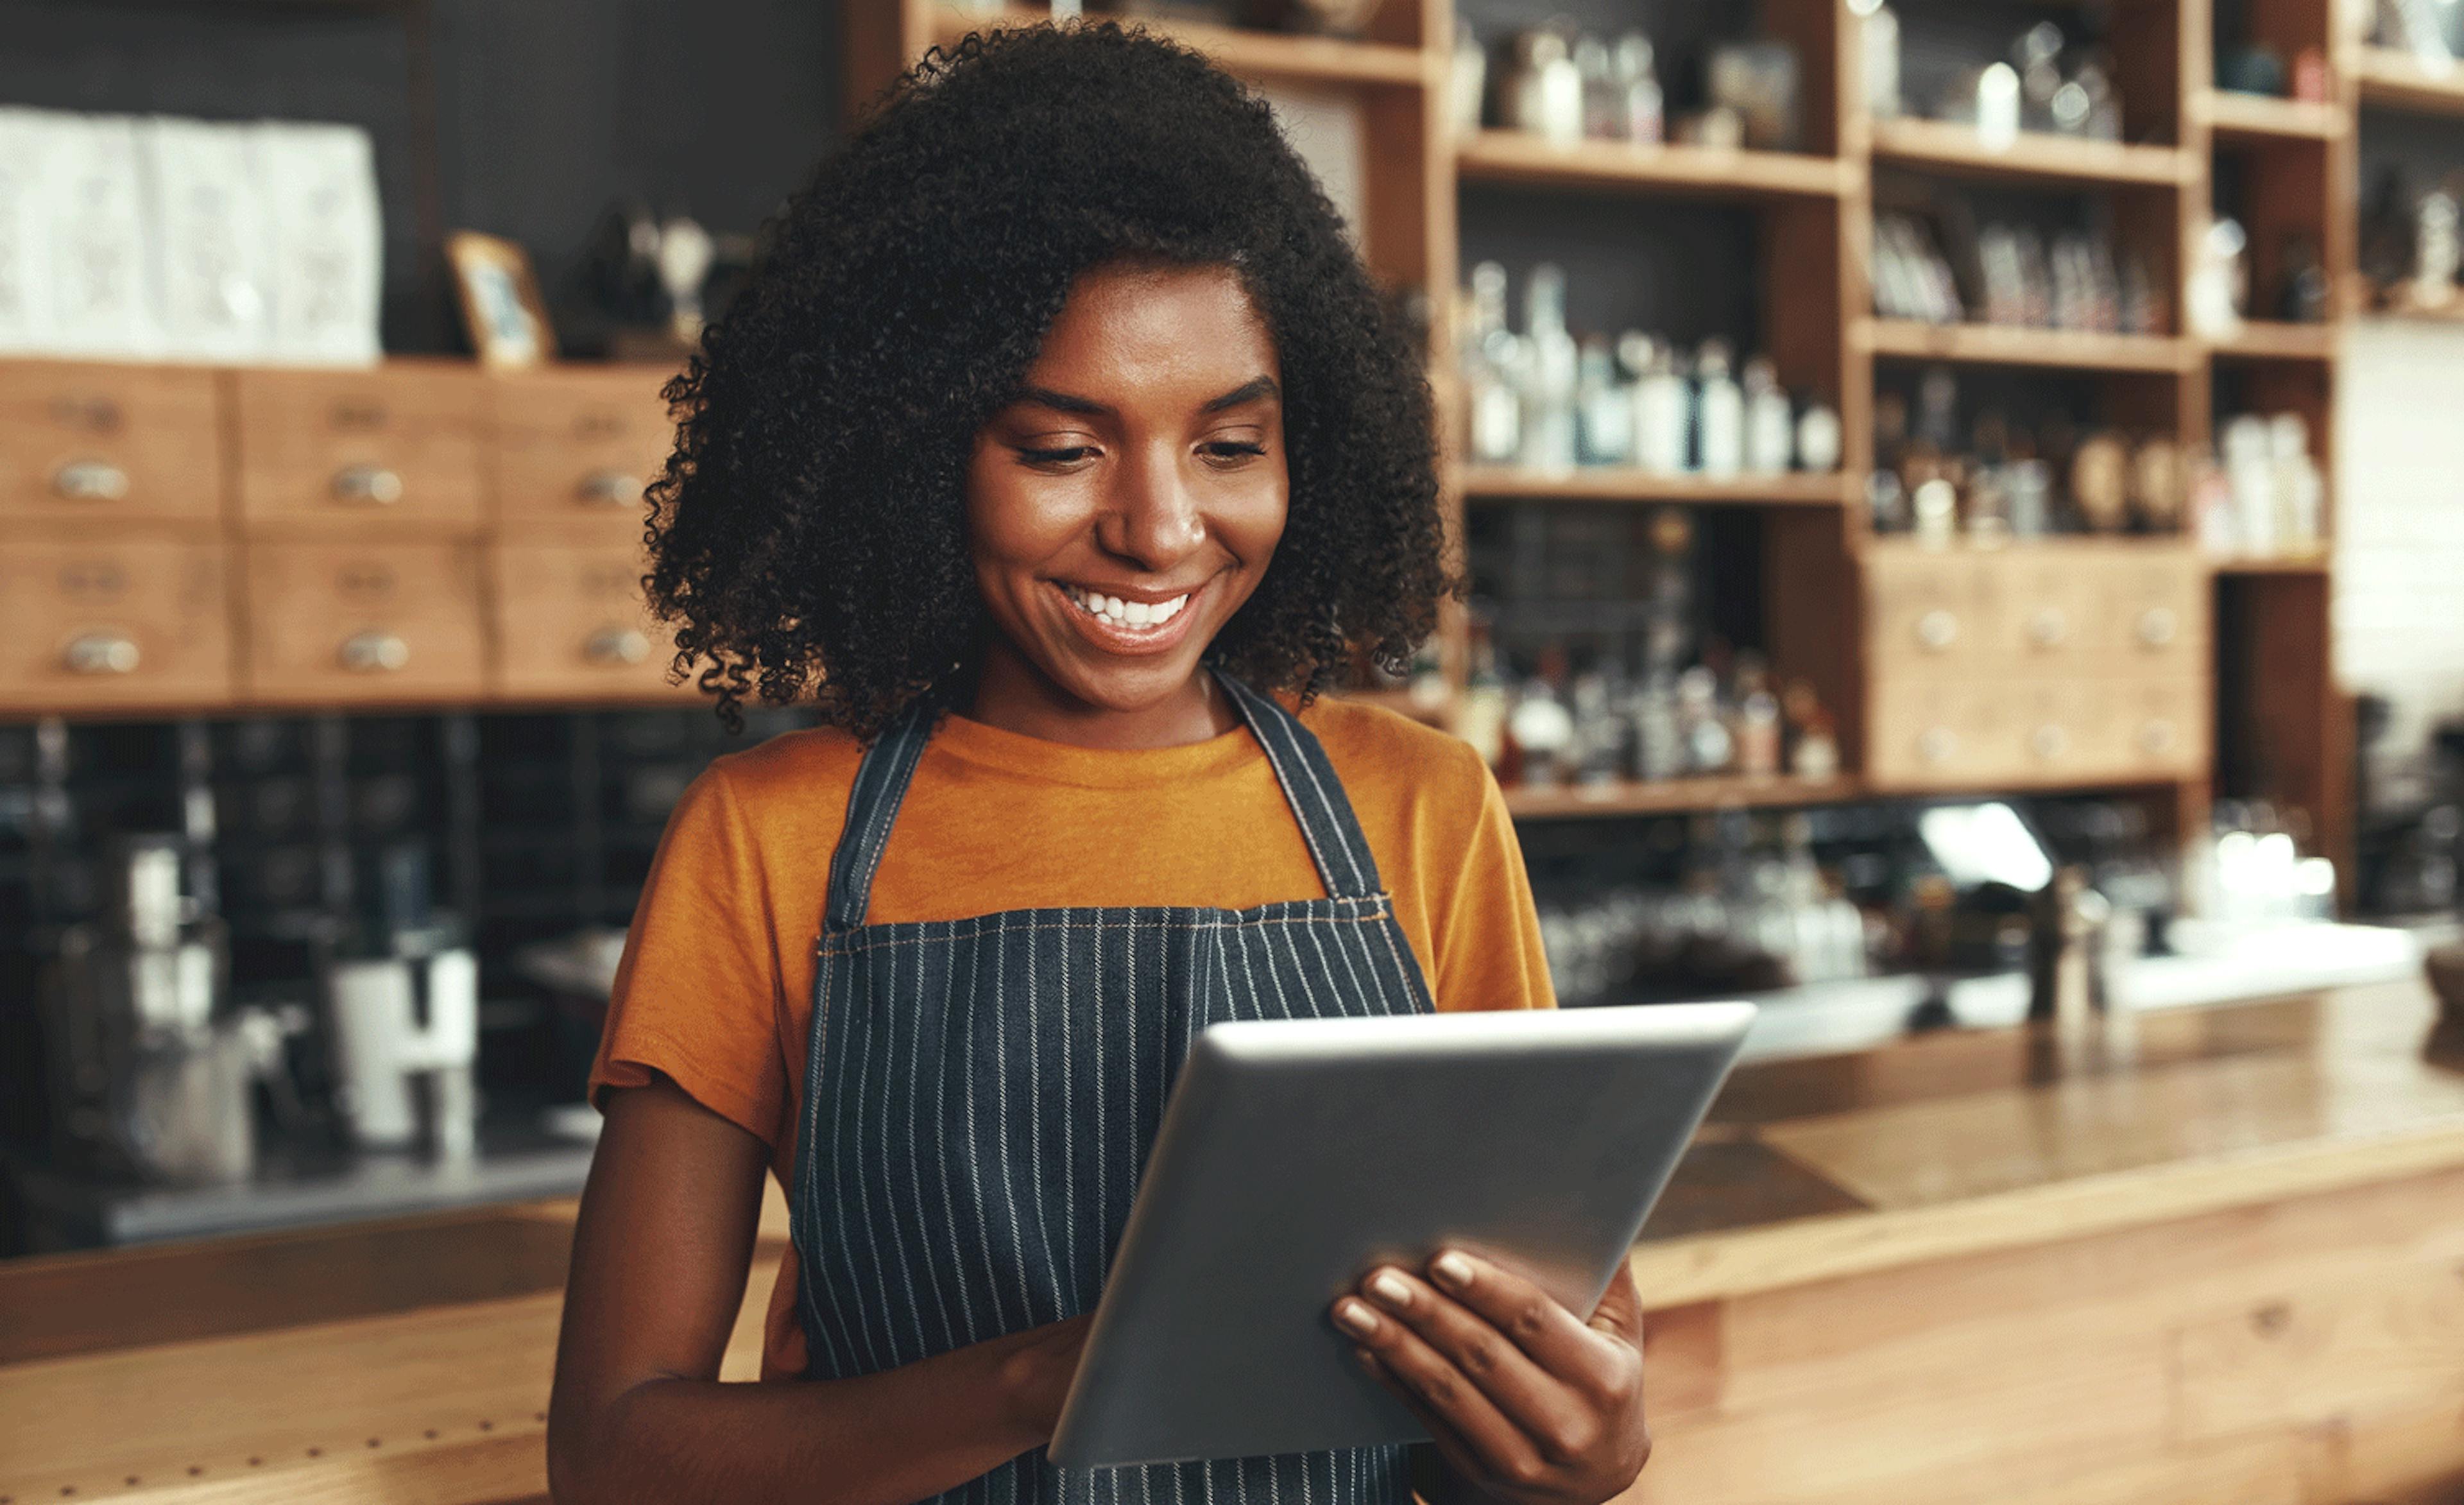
{"x":1354,"y":1317}
{"x":1390,"y":1288}
{"x":1451,"y":1270}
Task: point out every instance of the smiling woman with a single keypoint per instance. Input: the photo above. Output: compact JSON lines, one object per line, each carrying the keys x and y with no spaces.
{"x":1060,"y":453}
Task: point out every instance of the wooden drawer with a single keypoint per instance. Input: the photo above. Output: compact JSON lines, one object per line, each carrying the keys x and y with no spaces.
{"x":108,"y":443}
{"x":573,"y":624}
{"x":2151,"y":613}
{"x":365,"y":622}
{"x":579,"y":445}
{"x":2045,"y":607}
{"x":114,"y":624}
{"x":398,"y":445}
{"x":1929,"y":614}
{"x":2160,"y":728}
{"x":1936,"y":735}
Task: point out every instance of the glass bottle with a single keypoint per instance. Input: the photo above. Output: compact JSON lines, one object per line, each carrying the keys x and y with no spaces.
{"x":1542,"y":727}
{"x":1603,"y":109}
{"x":1607,"y":416}
{"x":1480,"y":717}
{"x":1492,"y":359}
{"x":1548,"y":426}
{"x":1659,"y":404}
{"x":1878,"y":40}
{"x":1546,"y":91}
{"x":1719,"y":413}
{"x":2299,"y":492}
{"x":1638,"y":78}
{"x":1770,"y":428}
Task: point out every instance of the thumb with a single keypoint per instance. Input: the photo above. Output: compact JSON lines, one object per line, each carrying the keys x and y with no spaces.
{"x":1620,"y":1314}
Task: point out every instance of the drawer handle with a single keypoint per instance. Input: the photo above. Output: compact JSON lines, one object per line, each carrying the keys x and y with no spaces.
{"x":2049,"y":628}
{"x":101,"y":653}
{"x":367,"y":486}
{"x":610,"y":489}
{"x":2050,"y":743}
{"x":2158,"y":627}
{"x":90,"y":480}
{"x":1937,"y":629}
{"x":1938,"y":745}
{"x":617,"y":646}
{"x":374,"y":653}
{"x":2157,"y":738}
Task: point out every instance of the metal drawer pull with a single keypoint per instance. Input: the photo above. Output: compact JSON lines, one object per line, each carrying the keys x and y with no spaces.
{"x":101,"y":653}
{"x":2156,"y":737}
{"x":2158,"y":627}
{"x":2050,"y":743}
{"x":1937,"y":629}
{"x":610,"y":489}
{"x":374,"y":653}
{"x":368,"y":486}
{"x":617,"y":646}
{"x":1938,"y":745}
{"x":2049,"y":628}
{"x":90,"y":480}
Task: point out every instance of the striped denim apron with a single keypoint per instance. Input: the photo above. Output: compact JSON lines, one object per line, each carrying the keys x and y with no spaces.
{"x":980,"y":1096}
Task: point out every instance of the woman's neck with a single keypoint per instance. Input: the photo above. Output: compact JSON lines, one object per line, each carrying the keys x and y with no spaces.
{"x":1012,"y":693}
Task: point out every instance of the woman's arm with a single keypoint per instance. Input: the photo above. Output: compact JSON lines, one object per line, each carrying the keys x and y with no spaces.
{"x":659,"y":1259}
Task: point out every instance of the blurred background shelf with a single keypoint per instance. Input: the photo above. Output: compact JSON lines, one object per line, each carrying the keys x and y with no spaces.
{"x":1621,"y":483}
{"x":1942,"y":146}
{"x":1996,"y":344}
{"x":1677,"y":797}
{"x":1499,"y":156}
{"x":1250,"y":53}
{"x":2261,"y":339}
{"x":2396,"y":80}
{"x":2264,"y":118}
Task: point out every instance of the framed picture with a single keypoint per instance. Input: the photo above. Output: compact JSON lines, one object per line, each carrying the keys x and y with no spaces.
{"x":500,"y":301}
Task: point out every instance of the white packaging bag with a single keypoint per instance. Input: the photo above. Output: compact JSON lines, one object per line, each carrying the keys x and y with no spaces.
{"x":327,"y":243}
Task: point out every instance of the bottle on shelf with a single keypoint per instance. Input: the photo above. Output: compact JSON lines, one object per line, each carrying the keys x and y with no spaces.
{"x":1607,"y":417}
{"x":2299,"y":491}
{"x":1719,"y":413}
{"x":1480,"y":716}
{"x":1493,"y":358}
{"x":1770,"y":428}
{"x":1637,"y":80}
{"x":1545,"y":91}
{"x":1548,"y":422}
{"x":1819,"y":438}
{"x":1541,"y":726}
{"x":1603,"y":102}
{"x":1661,"y":401}
{"x":1878,"y":42}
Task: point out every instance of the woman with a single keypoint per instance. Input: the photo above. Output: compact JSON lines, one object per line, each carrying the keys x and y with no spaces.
{"x":1060,"y":432}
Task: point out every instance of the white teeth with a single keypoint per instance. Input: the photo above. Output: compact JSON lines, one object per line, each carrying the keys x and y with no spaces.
{"x":1127,"y":613}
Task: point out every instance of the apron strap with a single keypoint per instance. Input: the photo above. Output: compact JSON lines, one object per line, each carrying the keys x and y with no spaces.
{"x":1344,"y":863}
{"x":880,"y":786}
{"x":1311,"y":787}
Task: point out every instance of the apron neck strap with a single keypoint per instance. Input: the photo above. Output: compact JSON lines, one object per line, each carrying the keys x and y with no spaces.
{"x":1309,"y":786}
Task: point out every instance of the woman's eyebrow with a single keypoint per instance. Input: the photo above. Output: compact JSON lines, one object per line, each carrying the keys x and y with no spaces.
{"x":1065,"y":401}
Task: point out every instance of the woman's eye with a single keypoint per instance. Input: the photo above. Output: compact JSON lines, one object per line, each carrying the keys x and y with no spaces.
{"x":1233,"y":450}
{"x":1069,"y":455}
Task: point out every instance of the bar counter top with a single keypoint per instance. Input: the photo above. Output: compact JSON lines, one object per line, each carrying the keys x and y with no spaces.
{"x":409,"y":1361}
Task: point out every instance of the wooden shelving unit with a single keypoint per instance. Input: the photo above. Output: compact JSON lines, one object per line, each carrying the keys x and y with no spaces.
{"x":2049,"y":349}
{"x":1250,"y":53}
{"x":1493,"y":483}
{"x":1691,"y":171}
{"x":2396,"y":80}
{"x":2260,"y":118}
{"x":1957,"y":150}
{"x":1679,"y":797}
{"x":2308,"y":566}
{"x":2260,"y":340}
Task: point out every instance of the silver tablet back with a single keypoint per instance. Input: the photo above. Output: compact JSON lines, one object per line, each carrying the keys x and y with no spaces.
{"x":1295,"y":1155}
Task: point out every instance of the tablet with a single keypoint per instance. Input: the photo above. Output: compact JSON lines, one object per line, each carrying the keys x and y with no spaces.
{"x":1297,"y":1154}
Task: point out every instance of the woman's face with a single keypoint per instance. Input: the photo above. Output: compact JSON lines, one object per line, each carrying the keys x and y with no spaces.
{"x":1127,"y":500}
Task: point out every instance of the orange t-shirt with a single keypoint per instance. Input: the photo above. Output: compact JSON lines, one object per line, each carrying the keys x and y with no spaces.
{"x":716,"y":987}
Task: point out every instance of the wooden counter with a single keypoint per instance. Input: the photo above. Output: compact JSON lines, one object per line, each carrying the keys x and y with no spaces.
{"x":2222,"y":1261}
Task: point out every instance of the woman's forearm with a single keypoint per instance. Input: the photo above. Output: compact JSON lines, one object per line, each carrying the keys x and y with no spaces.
{"x":884,"y":1439}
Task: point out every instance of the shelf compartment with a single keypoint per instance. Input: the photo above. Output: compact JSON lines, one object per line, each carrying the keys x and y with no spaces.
{"x":2050,"y":349}
{"x":1679,"y":797}
{"x":2264,"y":118}
{"x":1623,"y":484}
{"x":2271,"y":339}
{"x":2392,"y":79}
{"x":1249,"y":54}
{"x":1500,"y":156}
{"x":1942,"y":146}
{"x":2286,"y":564}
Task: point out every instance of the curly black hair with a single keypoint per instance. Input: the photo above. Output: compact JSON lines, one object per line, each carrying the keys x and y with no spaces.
{"x":808,"y":534}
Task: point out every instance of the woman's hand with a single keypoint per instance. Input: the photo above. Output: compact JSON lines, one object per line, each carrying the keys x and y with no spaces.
{"x":1525,"y":1401}
{"x":1036,"y":1374}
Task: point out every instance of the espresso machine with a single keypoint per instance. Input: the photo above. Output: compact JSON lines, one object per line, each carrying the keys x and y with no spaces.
{"x":153,"y":1075}
{"x":404,"y":1010}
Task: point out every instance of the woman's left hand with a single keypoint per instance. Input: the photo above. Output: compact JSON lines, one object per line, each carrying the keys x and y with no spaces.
{"x":1525,"y":1401}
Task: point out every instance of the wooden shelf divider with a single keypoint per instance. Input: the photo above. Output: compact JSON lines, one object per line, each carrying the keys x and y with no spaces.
{"x":1948,"y":148}
{"x":2261,"y":118}
{"x":2269,"y":340}
{"x":1250,"y":53}
{"x":1623,"y":484}
{"x":2396,"y":80}
{"x":1503,"y":156}
{"x":1999,"y":344}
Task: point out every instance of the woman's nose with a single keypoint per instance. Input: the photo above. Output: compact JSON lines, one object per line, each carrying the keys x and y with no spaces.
{"x":1155,"y":519}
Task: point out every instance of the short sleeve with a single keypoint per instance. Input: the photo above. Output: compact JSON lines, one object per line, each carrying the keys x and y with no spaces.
{"x":1486,"y":931}
{"x":697,"y":992}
